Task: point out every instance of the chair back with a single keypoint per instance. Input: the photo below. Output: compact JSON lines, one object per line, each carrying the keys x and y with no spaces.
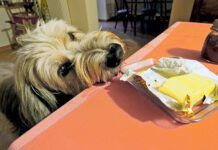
{"x":121,"y":5}
{"x":150,"y":4}
{"x":136,"y":6}
{"x":22,"y":14}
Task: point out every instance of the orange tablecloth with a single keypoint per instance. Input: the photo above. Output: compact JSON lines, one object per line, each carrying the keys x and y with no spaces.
{"x":116,"y":116}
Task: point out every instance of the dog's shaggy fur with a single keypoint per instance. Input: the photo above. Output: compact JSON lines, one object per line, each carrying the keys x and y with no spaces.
{"x":56,"y":62}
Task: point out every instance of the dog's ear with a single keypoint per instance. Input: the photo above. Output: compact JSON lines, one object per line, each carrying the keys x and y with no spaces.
{"x":33,"y":110}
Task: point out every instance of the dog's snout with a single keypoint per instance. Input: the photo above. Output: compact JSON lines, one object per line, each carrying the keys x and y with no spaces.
{"x":114,"y":56}
{"x":116,"y":50}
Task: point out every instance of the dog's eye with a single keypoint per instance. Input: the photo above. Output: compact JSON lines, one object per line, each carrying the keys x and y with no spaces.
{"x":65,"y":69}
{"x":72,"y":36}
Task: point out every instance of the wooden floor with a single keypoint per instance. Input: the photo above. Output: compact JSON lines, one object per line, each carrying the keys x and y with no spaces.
{"x":7,"y":54}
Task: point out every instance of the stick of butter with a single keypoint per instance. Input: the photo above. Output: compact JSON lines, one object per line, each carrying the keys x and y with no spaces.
{"x":188,"y":89}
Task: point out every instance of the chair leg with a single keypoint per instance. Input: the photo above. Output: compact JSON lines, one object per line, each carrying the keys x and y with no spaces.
{"x":125,"y":24}
{"x":115,"y":25}
{"x":142,"y":24}
{"x":134,"y":26}
{"x":116,"y":20}
{"x":131,"y":23}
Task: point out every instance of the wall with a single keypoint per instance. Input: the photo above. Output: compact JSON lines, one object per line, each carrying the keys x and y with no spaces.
{"x":102,"y":10}
{"x":84,"y":14}
{"x":3,"y":25}
{"x":92,"y":15}
{"x":59,"y":9}
{"x":80,"y":13}
{"x":181,"y":10}
{"x":106,"y":9}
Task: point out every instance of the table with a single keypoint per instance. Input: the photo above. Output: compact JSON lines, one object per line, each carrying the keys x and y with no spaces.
{"x":115,"y":116}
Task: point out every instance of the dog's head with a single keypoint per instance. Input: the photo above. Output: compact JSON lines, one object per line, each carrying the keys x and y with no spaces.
{"x":58,"y":57}
{"x":98,"y":57}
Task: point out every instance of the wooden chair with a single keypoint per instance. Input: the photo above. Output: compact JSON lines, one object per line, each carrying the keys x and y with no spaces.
{"x":128,"y":11}
{"x":122,"y":13}
{"x":21,"y":15}
{"x":149,"y":12}
{"x":136,"y":14}
{"x":156,"y":15}
{"x":164,"y":14}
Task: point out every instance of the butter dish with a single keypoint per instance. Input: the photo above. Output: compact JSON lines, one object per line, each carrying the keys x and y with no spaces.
{"x":157,"y":81}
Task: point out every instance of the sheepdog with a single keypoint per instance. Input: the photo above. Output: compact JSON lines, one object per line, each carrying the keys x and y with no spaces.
{"x":56,"y":61}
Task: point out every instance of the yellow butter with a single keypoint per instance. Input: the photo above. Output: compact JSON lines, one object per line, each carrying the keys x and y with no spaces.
{"x":187,"y":89}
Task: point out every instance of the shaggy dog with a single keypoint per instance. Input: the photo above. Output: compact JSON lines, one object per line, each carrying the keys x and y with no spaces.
{"x":56,"y":62}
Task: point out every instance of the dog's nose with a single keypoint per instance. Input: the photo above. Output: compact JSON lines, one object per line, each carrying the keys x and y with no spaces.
{"x":114,"y":56}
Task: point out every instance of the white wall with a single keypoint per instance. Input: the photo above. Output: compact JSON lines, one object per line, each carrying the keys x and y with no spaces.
{"x":102,"y":10}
